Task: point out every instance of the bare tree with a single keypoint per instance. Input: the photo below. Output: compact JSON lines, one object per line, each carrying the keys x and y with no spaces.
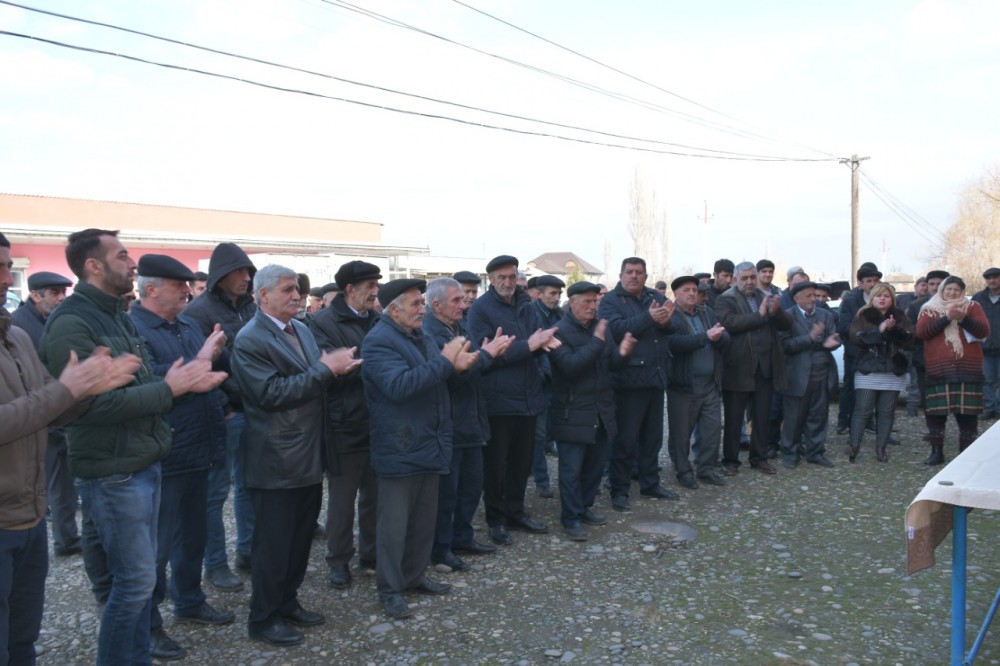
{"x":972,"y":243}
{"x":647,"y":226}
{"x":609,"y":271}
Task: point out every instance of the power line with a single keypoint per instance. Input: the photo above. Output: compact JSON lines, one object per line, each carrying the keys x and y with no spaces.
{"x":910,"y":212}
{"x":915,"y":222}
{"x":390,"y":108}
{"x":899,"y":212}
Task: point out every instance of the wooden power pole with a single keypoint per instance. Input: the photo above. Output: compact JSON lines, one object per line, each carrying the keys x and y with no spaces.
{"x":855,"y":164}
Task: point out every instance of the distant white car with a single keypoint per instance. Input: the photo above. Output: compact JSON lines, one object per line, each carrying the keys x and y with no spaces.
{"x":13,"y":301}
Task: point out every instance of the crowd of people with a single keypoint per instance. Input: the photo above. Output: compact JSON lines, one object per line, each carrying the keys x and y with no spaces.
{"x":416,"y":401}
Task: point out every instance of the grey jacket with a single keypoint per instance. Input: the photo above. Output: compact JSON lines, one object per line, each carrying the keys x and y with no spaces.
{"x":799,"y":346}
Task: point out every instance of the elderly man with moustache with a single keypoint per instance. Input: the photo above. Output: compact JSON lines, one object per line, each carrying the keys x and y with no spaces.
{"x":199,"y":440}
{"x":694,"y":397}
{"x":754,"y":365}
{"x":46,"y":291}
{"x":469,"y":282}
{"x":283,"y":377}
{"x":406,"y":386}
{"x":632,"y":307}
{"x":583,"y":405}
{"x":345,"y":323}
{"x":513,"y":388}
{"x":459,"y":491}
{"x":808,"y":363}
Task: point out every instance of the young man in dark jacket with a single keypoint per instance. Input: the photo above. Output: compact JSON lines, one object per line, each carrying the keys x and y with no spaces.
{"x":583,"y":405}
{"x":350,"y":479}
{"x":227,"y":301}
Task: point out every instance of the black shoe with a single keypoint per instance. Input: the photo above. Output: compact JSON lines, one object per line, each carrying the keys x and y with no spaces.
{"x":791,"y":462}
{"x":843,"y":429}
{"x":821,"y":460}
{"x":221,"y":578}
{"x":450,"y":560}
{"x":396,"y":607}
{"x":687,"y":480}
{"x":545,"y":492}
{"x":474,"y":548}
{"x":428,"y":586}
{"x":366,"y":567}
{"x":241,"y":561}
{"x":936,"y":457}
{"x":772,"y":454}
{"x":500,"y":536}
{"x":278,"y":633}
{"x":75,"y":549}
{"x":526,"y":524}
{"x":712,"y":478}
{"x":340,"y":576}
{"x":730,"y":469}
{"x":893,"y":440}
{"x":575,"y":533}
{"x":204,"y":614}
{"x":621,"y":504}
{"x":592,"y":518}
{"x":163,"y":647}
{"x":659,"y":492}
{"x":301,"y":617}
{"x":764,"y":467}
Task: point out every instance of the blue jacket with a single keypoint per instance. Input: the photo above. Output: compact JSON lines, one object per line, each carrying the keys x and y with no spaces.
{"x":647,"y":364}
{"x":405,"y":375}
{"x":470,"y":424}
{"x":196,"y":419}
{"x":513,"y":385}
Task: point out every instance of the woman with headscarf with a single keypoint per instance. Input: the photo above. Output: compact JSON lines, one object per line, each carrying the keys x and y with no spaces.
{"x":952,"y":328}
{"x":881,"y":331}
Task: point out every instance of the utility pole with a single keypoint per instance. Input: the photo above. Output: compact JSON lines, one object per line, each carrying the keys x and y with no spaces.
{"x":855,"y":164}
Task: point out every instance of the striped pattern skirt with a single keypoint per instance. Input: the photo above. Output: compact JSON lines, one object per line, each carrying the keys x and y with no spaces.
{"x":958,"y":398}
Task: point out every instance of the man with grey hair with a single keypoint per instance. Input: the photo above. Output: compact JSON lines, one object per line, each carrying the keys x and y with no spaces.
{"x":754,"y":364}
{"x":283,"y":377}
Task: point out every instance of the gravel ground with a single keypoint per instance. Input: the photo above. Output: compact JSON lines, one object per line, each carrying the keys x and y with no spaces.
{"x":806,"y":567}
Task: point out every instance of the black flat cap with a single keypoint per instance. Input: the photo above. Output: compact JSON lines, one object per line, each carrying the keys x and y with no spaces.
{"x":391,"y":290}
{"x":682,"y":280}
{"x":316,"y":292}
{"x":867,"y":270}
{"x":502,"y":260}
{"x":800,"y":286}
{"x":354,"y":272}
{"x":661,"y":284}
{"x":823,"y":286}
{"x":583,"y":287}
{"x":200,"y":276}
{"x":467,"y":277}
{"x":938,"y":275}
{"x":45,"y":279}
{"x":162,"y":266}
{"x":328,"y":287}
{"x":532,"y":283}
{"x":765,"y":263}
{"x":990,"y":272}
{"x":549,"y":281}
{"x":703,"y":276}
{"x":703,"y":286}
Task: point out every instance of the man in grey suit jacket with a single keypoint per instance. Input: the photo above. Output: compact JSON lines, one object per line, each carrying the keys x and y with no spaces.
{"x":808,"y":363}
{"x":282,"y":377}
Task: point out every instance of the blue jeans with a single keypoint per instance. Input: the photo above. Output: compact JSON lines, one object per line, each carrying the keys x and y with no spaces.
{"x":991,"y":370}
{"x":180,"y":540}
{"x":124,"y":508}
{"x":24,"y":561}
{"x":458,"y":496}
{"x":219,"y":480}
{"x":580,"y":468}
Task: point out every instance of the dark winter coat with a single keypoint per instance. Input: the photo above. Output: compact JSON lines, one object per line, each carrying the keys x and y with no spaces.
{"x":991,"y":345}
{"x":741,"y":359}
{"x":683,"y":341}
{"x":882,"y":352}
{"x":647,"y":365}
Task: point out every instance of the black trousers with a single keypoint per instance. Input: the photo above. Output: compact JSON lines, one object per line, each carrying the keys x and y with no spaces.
{"x":282,"y":536}
{"x":639,"y":413}
{"x":734,"y":404}
{"x":506,"y":467}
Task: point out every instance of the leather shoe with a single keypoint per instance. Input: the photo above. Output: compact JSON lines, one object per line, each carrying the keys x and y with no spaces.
{"x":75,"y":549}
{"x":241,"y":561}
{"x":791,"y":462}
{"x":659,"y":492}
{"x":687,"y":480}
{"x":895,"y":441}
{"x":545,"y":492}
{"x":301,"y":617}
{"x":592,"y":518}
{"x":163,"y":647}
{"x":204,"y":614}
{"x":821,"y":460}
{"x":842,"y":429}
{"x":500,"y":536}
{"x":474,"y":548}
{"x":278,"y":633}
{"x":711,"y":478}
{"x":428,"y":586}
{"x":340,"y":576}
{"x":221,"y":578}
{"x":575,"y":533}
{"x":527,"y":524}
{"x":764,"y":467}
{"x":730,"y":469}
{"x":620,"y":503}
{"x":396,"y":607}
{"x":450,"y":560}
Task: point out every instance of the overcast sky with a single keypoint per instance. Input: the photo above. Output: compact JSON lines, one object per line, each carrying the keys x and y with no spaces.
{"x":912,"y":85}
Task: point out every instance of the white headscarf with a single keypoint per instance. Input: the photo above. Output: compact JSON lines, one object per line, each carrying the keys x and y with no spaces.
{"x":938,"y":306}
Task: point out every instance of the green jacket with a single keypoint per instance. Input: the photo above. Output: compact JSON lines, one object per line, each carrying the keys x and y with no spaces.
{"x":124,"y":430}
